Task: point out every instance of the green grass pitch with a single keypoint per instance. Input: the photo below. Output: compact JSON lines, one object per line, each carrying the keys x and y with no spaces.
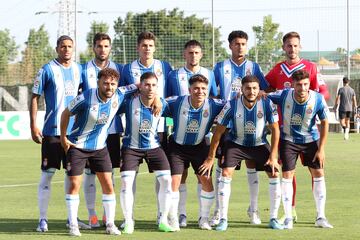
{"x":19,"y":175}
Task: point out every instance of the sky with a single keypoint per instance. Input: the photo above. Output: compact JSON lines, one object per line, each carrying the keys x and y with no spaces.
{"x":321,"y":23}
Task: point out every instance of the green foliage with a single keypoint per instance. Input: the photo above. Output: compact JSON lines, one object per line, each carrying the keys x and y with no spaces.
{"x":172,"y":30}
{"x":8,"y":50}
{"x":96,"y":27}
{"x":37,"y":52}
{"x":268,"y":43}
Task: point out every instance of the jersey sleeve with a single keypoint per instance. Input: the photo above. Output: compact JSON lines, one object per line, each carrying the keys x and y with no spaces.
{"x":217,"y":73}
{"x":40,"y":81}
{"x":314,"y":83}
{"x":77,"y":104}
{"x":125,"y":75}
{"x":271,"y":78}
{"x":259,"y":74}
{"x":225,"y":114}
{"x":128,"y":90}
{"x":323,"y":110}
{"x":170,"y":85}
{"x":276,"y":96}
{"x":212,"y":84}
{"x":165,"y":108}
{"x":271,"y":112}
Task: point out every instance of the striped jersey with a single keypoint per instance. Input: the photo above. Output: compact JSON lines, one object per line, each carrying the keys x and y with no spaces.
{"x":178,"y":83}
{"x":248,"y":125}
{"x":93,"y":117}
{"x":89,"y":80}
{"x":59,"y":85}
{"x":191,"y":124}
{"x":299,"y":119}
{"x":141,"y":125}
{"x":228,"y":76}
{"x":132,"y":71}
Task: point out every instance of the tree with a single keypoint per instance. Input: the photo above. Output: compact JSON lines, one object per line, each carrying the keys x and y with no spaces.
{"x":8,"y":51}
{"x":268,"y":43}
{"x":96,"y":27}
{"x":172,"y":30}
{"x":37,"y":52}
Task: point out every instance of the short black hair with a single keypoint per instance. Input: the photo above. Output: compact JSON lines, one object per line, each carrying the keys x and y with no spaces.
{"x":300,"y":75}
{"x":237,"y":34}
{"x":192,"y":42}
{"x":145,"y":35}
{"x":346,"y":80}
{"x":63,"y":38}
{"x":249,"y":78}
{"x":101,"y":36}
{"x":148,"y":75}
{"x":198,"y":78}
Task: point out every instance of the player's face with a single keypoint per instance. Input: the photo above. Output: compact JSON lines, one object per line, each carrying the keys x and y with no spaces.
{"x":301,"y":89}
{"x":65,"y":50}
{"x":146,"y":49}
{"x":107,"y":87}
{"x":102,"y":50}
{"x":292,"y":48}
{"x":238,"y":47}
{"x":198,"y":91}
{"x":193,"y":55}
{"x":250,"y":91}
{"x":148,"y":88}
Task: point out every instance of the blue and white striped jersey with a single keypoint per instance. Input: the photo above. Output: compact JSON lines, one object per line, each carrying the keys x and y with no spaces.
{"x":132,"y":71}
{"x":141,"y":125}
{"x":178,"y":83}
{"x":190,"y":124}
{"x":248,"y":125}
{"x":59,"y":85}
{"x":228,"y":76}
{"x":299,"y":120}
{"x":93,"y":117}
{"x":89,"y":80}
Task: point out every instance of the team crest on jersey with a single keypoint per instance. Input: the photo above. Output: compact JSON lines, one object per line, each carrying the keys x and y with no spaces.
{"x":103,"y":119}
{"x":193,"y":126}
{"x":158,"y":73}
{"x":287,"y":84}
{"x":296,"y":119}
{"x":206,"y":113}
{"x":248,"y":72}
{"x":309,"y":111}
{"x":145,"y":126}
{"x":236,"y":84}
{"x":249,"y":128}
{"x":238,"y":115}
{"x":260,"y":114}
{"x":45,"y":162}
{"x":114,"y":104}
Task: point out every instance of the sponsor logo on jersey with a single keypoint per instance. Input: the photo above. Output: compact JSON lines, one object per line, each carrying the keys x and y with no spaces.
{"x":296,"y":119}
{"x":145,"y":126}
{"x":193,"y":126}
{"x":236,"y":84}
{"x":260,"y":114}
{"x":249,"y":128}
{"x":103,"y":119}
{"x":70,"y":89}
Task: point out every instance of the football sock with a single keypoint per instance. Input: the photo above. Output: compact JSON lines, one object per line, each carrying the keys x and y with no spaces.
{"x":126,"y":194}
{"x":253,"y":183}
{"x":44,"y":191}
{"x":319,"y":193}
{"x":224,"y":196}
{"x":275,"y":196}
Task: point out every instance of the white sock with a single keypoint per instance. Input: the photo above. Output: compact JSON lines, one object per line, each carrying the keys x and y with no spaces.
{"x":126,"y":194}
{"x":287,"y":193}
{"x":218,"y":173}
{"x":173,"y":212}
{"x":44,"y":191}
{"x":72,"y":204}
{"x":157,"y":189}
{"x":199,"y":187}
{"x":319,"y":193}
{"x":164,"y":196}
{"x":89,"y":187}
{"x":206,"y":199}
{"x":182,"y":199}
{"x":109,"y":204}
{"x":253,"y":183}
{"x":275,"y":196}
{"x":224,"y":196}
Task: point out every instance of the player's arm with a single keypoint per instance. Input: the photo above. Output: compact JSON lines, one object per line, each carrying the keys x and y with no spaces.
{"x":355,"y":105}
{"x":64,"y":123}
{"x":209,"y":162}
{"x":275,"y":136}
{"x":320,"y":154}
{"x":337,"y":100}
{"x":36,"y":134}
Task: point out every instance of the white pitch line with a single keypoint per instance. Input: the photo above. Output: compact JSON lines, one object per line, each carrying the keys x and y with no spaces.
{"x":53,"y":182}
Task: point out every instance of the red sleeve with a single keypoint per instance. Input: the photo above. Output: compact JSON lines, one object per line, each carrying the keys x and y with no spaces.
{"x":314,"y":84}
{"x":270,"y":77}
